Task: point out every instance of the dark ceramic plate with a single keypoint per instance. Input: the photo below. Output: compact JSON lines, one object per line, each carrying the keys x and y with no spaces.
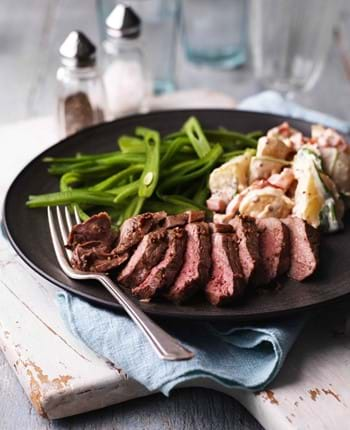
{"x":28,"y":230}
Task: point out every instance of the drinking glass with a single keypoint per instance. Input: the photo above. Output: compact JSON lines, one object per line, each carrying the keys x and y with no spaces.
{"x":290,"y":41}
{"x":158,"y":35}
{"x":214,"y":32}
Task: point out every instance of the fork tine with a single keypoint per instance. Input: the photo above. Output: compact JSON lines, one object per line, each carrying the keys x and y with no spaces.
{"x":58,"y":247}
{"x":63,"y":228}
{"x":76,"y":214}
{"x":68,"y":218}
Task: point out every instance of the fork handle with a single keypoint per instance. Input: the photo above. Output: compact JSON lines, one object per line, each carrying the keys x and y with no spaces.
{"x":166,"y":346}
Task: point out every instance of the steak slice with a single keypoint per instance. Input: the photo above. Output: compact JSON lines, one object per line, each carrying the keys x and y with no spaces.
{"x":92,"y":243}
{"x":227,"y":279}
{"x":96,"y":228}
{"x":274,"y":247}
{"x":304,"y":242}
{"x":220,"y":228}
{"x":183,"y":218}
{"x":195,"y":216}
{"x":177,"y":220}
{"x":248,"y":247}
{"x":134,"y":229}
{"x":164,"y":273}
{"x":196,"y":268}
{"x":147,"y":254}
{"x":95,"y":256}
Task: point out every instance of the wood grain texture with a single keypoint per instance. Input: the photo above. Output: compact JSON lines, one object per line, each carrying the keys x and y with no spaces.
{"x":195,"y":408}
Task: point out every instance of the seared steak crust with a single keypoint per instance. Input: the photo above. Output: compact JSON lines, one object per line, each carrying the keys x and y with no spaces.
{"x":227,"y":279}
{"x":274,"y":247}
{"x":164,"y":273}
{"x":197,"y":261}
{"x":195,"y":216}
{"x":94,"y":256}
{"x":175,"y":256}
{"x":220,"y":228}
{"x":248,"y":247}
{"x":134,"y":229}
{"x":148,"y":253}
{"x":97,"y":228}
{"x":92,"y":243}
{"x":304,"y":246}
{"x":177,"y":220}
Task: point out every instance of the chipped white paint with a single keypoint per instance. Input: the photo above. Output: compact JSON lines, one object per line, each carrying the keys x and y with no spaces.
{"x":63,"y":377}
{"x":60,"y":375}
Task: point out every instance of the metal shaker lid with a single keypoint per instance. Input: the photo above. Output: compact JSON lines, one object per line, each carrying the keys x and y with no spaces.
{"x":123,"y":22}
{"x":77,"y":50}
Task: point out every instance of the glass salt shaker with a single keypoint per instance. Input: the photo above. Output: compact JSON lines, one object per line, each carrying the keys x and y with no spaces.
{"x":81,"y":94}
{"x":124,"y":70}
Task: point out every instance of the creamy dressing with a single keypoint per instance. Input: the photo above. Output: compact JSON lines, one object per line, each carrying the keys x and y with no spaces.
{"x":291,"y":173}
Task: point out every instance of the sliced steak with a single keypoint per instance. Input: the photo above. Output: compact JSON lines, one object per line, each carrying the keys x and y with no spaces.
{"x":274,"y":247}
{"x":177,"y":220}
{"x":183,"y":218}
{"x":220,"y":228}
{"x":95,"y":256}
{"x":164,"y":273}
{"x":92,"y":243}
{"x":134,"y":229}
{"x":304,"y":242}
{"x":248,"y":248}
{"x":147,"y":254}
{"x":96,"y":228}
{"x":195,"y":216}
{"x":195,"y":271}
{"x":227,"y":279}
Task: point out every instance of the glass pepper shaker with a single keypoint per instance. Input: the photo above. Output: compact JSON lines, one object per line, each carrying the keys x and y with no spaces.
{"x":81,"y":94}
{"x":124,"y":69}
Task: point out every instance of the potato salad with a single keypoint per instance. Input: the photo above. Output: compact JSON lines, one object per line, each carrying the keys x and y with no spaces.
{"x":288,"y":174}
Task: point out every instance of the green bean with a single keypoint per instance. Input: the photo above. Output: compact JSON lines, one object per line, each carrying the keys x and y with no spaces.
{"x":69,"y":179}
{"x":126,"y":181}
{"x":82,"y":214}
{"x":181,"y":201}
{"x":150,"y":174}
{"x":125,"y":191}
{"x":255,"y":134}
{"x":227,"y":156}
{"x":201,"y":195}
{"x":95,"y":172}
{"x":132,"y":209}
{"x":59,"y":169}
{"x":69,"y":197}
{"x":231,"y":139}
{"x":176,"y":135}
{"x":156,"y":205}
{"x":186,"y":176}
{"x":173,"y":148}
{"x":131,"y":144}
{"x":198,"y":139}
{"x":77,"y":157}
{"x":117,"y":178}
{"x":121,"y":159}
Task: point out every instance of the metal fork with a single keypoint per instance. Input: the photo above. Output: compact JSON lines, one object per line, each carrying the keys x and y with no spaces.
{"x":164,"y":345}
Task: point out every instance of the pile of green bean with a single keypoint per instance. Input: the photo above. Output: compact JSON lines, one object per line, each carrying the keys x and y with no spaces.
{"x":147,"y":173}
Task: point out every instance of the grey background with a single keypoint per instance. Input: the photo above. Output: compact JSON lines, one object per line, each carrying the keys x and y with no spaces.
{"x":30,"y":34}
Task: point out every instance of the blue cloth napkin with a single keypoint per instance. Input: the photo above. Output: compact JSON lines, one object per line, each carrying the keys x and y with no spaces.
{"x":272,"y":102}
{"x":235,"y":357}
{"x":246,"y":357}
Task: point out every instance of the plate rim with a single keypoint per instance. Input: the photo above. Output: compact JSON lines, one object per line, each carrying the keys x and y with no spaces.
{"x":169,"y":314}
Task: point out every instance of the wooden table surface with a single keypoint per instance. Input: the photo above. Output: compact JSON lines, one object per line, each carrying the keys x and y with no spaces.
{"x":30,"y":33}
